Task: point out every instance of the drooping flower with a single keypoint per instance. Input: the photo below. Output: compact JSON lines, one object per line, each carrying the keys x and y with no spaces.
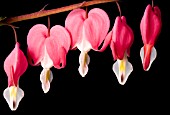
{"x":122,"y":39}
{"x":87,"y":30}
{"x":14,"y":65}
{"x":150,"y":27}
{"x":49,"y":48}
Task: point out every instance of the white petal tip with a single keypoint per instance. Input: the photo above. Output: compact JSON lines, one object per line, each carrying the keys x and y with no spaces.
{"x":84,"y":61}
{"x":13,"y":96}
{"x":83,"y":71}
{"x":46,"y":78}
{"x":45,"y":87}
{"x":122,"y":76}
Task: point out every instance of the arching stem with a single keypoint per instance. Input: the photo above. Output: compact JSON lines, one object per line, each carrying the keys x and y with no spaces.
{"x":43,"y":12}
{"x":119,"y":8}
{"x":15,"y":34}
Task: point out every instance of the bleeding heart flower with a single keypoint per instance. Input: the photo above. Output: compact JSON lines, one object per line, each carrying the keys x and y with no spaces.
{"x":88,"y":30}
{"x":120,"y":38}
{"x":14,"y":65}
{"x":150,"y":27}
{"x":48,"y":48}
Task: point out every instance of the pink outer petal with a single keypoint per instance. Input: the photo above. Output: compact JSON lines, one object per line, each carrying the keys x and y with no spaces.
{"x":122,"y":38}
{"x":35,"y":41}
{"x":114,"y":53}
{"x":15,"y":65}
{"x":96,"y":27}
{"x":150,"y":25}
{"x":58,"y":45}
{"x":74,"y":23}
{"x":106,"y":42}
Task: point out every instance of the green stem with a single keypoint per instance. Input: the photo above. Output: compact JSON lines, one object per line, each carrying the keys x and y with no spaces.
{"x":43,"y":12}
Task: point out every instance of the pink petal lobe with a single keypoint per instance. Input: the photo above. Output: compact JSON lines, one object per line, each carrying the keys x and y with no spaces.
{"x":151,"y":24}
{"x":114,"y":53}
{"x":96,"y":27}
{"x":106,"y":42}
{"x":35,"y":42}
{"x":157,"y":12}
{"x":123,"y":37}
{"x":62,"y":55}
{"x":58,"y":45}
{"x":15,"y":65}
{"x":74,"y":24}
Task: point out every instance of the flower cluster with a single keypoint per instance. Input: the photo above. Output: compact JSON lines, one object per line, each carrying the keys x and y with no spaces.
{"x":84,"y":31}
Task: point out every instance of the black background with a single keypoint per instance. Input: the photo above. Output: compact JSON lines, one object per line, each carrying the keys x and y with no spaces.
{"x":99,"y":91}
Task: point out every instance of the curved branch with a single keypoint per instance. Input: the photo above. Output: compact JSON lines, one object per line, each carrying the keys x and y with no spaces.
{"x":43,"y":13}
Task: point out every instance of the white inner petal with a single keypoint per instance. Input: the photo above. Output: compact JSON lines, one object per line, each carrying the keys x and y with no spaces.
{"x":13,"y":96}
{"x":84,"y":44}
{"x":46,"y":78}
{"x":46,"y":61}
{"x":122,"y":69}
{"x":84,"y":61}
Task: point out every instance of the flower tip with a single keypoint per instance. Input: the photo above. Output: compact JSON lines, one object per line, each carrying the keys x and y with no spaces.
{"x":46,"y":78}
{"x":146,"y":67}
{"x":13,"y":96}
{"x":147,"y":58}
{"x":122,"y":70}
{"x":83,"y":71}
{"x":45,"y":87}
{"x":45,"y":90}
